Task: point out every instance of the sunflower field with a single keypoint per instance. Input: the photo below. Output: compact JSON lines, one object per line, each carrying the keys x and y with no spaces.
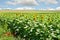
{"x":29,"y":26}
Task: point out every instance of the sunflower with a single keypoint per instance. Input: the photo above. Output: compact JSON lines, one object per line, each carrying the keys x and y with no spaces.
{"x":42,"y":17}
{"x":35,"y":17}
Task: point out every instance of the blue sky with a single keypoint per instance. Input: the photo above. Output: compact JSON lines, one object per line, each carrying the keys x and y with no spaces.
{"x":30,"y":4}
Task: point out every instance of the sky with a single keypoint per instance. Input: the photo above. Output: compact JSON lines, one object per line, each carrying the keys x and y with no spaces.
{"x":30,"y":4}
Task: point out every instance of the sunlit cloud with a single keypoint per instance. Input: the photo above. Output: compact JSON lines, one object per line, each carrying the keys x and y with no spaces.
{"x":23,"y":2}
{"x":25,"y":8}
{"x":58,"y":8}
{"x":49,"y":1}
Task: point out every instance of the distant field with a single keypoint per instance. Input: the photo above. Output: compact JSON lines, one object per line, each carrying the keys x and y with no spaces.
{"x":31,"y":11}
{"x":29,"y":25}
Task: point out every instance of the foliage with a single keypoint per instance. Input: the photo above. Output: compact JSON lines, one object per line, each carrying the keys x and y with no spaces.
{"x":33,"y":29}
{"x":34,"y":26}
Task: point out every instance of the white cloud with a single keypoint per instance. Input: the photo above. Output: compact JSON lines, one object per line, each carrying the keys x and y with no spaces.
{"x":12,"y":3}
{"x":47,"y":9}
{"x":7,"y":8}
{"x":58,"y":8}
{"x":50,"y":9}
{"x":25,"y":8}
{"x":49,"y":1}
{"x":23,"y":2}
{"x":52,"y":1}
{"x":42,"y":9}
{"x":19,"y":9}
{"x":0,"y":8}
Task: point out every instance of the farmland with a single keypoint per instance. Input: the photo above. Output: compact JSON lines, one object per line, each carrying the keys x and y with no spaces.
{"x":29,"y":25}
